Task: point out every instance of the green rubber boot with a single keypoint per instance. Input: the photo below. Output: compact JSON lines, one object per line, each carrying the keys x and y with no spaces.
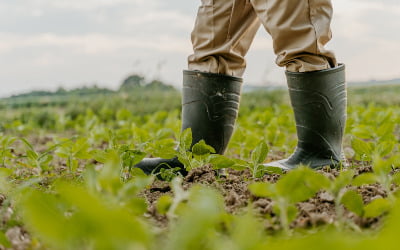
{"x":209,"y":107}
{"x":319,"y":103}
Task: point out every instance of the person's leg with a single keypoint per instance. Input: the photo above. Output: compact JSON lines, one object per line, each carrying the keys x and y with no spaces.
{"x":222,"y":35}
{"x":300,"y":30}
{"x":317,"y":89}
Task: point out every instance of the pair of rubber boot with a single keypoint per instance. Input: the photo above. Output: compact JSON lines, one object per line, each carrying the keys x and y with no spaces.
{"x":211,"y":102}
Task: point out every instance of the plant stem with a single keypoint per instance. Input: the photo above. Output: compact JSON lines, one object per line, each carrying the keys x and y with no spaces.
{"x":283,"y":216}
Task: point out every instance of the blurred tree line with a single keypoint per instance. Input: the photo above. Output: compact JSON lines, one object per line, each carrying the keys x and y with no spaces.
{"x":133,"y":87}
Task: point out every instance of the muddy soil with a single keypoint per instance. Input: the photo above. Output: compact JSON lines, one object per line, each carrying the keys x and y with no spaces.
{"x":317,"y":211}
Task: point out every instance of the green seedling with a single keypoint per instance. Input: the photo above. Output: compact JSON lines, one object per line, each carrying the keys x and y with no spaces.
{"x":62,"y":218}
{"x":354,"y":202}
{"x":129,"y":157}
{"x":199,"y":221}
{"x":336,"y":189}
{"x":40,"y":160}
{"x":365,"y":150}
{"x":194,"y":156}
{"x":6,"y":149}
{"x":109,"y":183}
{"x":168,"y":205}
{"x":297,"y":186}
{"x":381,"y":174}
{"x":73,"y":151}
{"x":258,"y":156}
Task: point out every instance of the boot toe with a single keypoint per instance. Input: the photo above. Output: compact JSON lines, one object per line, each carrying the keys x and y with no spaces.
{"x":154,"y":165}
{"x":278,"y":164}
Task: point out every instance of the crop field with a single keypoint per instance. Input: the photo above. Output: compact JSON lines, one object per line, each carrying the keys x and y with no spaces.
{"x":68,"y":181}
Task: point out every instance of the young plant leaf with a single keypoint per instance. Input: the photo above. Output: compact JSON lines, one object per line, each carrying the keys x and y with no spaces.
{"x":163,"y":204}
{"x":301,"y":184}
{"x":396,"y":178}
{"x":362,"y":148}
{"x":201,"y":149}
{"x":377,"y":207}
{"x":220,"y":161}
{"x":262,"y":189}
{"x":381,"y":166}
{"x":353,"y":202}
{"x":4,"y":240}
{"x":364,"y":179}
{"x":260,"y":153}
{"x":292,"y":212}
{"x":384,"y":148}
{"x":185,"y":141}
{"x":344,"y":179}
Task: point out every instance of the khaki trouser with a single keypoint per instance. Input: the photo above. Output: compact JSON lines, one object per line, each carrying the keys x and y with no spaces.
{"x":225,"y":29}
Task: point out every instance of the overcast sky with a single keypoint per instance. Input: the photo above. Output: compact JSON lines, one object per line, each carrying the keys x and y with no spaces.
{"x":45,"y":44}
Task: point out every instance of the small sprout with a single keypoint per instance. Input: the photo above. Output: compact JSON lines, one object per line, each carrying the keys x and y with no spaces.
{"x":354,"y":203}
{"x":163,"y":204}
{"x":297,"y":186}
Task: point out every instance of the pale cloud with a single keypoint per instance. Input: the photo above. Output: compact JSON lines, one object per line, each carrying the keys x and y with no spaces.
{"x":45,"y":43}
{"x":92,"y":43}
{"x":86,"y":5}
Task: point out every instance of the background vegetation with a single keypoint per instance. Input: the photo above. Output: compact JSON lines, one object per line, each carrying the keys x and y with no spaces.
{"x":68,"y":179}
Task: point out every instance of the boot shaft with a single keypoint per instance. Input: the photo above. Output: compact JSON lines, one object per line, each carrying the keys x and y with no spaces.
{"x":210,"y":105}
{"x":319,"y":103}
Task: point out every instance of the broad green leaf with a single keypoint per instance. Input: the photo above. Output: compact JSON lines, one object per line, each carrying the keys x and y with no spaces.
{"x":135,"y":205}
{"x":81,"y":149}
{"x":364,"y":179}
{"x":167,"y":174}
{"x":130,"y":158}
{"x":353,"y":202}
{"x":44,"y":214}
{"x":5,"y":172}
{"x":258,"y":171}
{"x":384,"y":148}
{"x":301,"y":184}
{"x":362,"y":148}
{"x":363,"y":131}
{"x":201,"y":148}
{"x":185,"y":141}
{"x":377,"y":207}
{"x":164,"y":148}
{"x":101,"y":156}
{"x":381,"y":166}
{"x":292,"y":212}
{"x":163,"y":204}
{"x":186,"y":160}
{"x":4,"y":240}
{"x":198,"y":221}
{"x":219,"y":161}
{"x":32,"y":155}
{"x":260,"y":153}
{"x":344,"y":179}
{"x":164,"y":133}
{"x":240,"y":164}
{"x":396,"y":178}
{"x":385,"y":129}
{"x":316,"y":181}
{"x":137,"y":172}
{"x":263,"y":189}
{"x":241,"y":227}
